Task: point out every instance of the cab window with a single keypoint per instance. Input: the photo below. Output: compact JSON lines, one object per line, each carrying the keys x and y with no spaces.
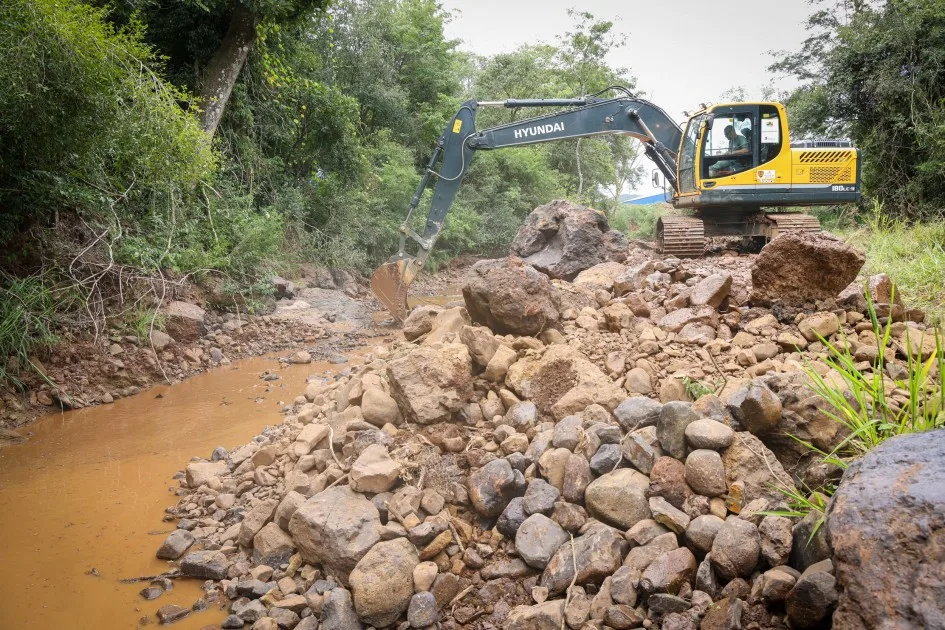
{"x":771,"y":134}
{"x":727,"y":148}
{"x":687,"y":158}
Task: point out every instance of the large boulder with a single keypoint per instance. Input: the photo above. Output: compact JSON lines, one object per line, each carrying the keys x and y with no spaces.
{"x":336,"y":528}
{"x":511,"y":297}
{"x":562,"y":381}
{"x":886,"y":527}
{"x":382,"y":581}
{"x":431,"y":383}
{"x":563,"y":239}
{"x":803,"y":266}
{"x":184,"y":321}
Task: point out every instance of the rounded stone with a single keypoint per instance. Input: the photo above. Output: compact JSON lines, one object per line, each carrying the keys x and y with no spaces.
{"x":736,"y":549}
{"x":709,"y":434}
{"x":705,"y":473}
{"x":702,"y":531}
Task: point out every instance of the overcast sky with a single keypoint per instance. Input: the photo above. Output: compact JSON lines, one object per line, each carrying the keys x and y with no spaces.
{"x":682,"y":52}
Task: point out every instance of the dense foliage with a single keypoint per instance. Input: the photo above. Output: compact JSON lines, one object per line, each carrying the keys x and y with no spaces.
{"x":875,"y":72}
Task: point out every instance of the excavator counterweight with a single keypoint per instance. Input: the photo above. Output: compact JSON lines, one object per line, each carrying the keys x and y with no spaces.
{"x":728,"y":163}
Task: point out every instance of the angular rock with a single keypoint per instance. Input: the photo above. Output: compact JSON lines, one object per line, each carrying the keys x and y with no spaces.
{"x":562,"y":239}
{"x":671,"y":427}
{"x":511,"y":297}
{"x":255,"y":519}
{"x":751,"y":464}
{"x":813,"y":598}
{"x":545,"y":616}
{"x":540,"y":497}
{"x":605,"y":459}
{"x":667,"y":515}
{"x":538,"y":539}
{"x":206,"y":565}
{"x":642,"y":449}
{"x":511,"y":518}
{"x":184,"y":321}
{"x":430,"y":384}
{"x":803,"y":266}
{"x":420,"y":321}
{"x":600,"y":276}
{"x":336,"y":527}
{"x":669,"y":572}
{"x":175,"y":545}
{"x":711,"y":291}
{"x":338,"y":611}
{"x":200,"y":473}
{"x":776,"y":539}
{"x":422,"y":611}
{"x":562,"y":381}
{"x":374,"y":471}
{"x":756,"y":407}
{"x":382,"y":581}
{"x":598,"y":553}
{"x":493,"y":486}
{"x":637,"y":412}
{"x":678,"y":319}
{"x":272,"y":546}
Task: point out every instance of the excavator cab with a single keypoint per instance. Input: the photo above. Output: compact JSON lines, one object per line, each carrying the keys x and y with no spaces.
{"x":735,"y":159}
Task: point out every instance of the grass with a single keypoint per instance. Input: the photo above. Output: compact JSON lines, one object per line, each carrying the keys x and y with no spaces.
{"x":138,"y":321}
{"x":28,"y":310}
{"x":913,"y":255}
{"x":860,"y":403}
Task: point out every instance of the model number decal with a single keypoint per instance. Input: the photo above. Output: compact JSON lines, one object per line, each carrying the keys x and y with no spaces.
{"x":842,"y":188}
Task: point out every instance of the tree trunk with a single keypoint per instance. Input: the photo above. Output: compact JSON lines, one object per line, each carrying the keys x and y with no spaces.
{"x":225,"y":66}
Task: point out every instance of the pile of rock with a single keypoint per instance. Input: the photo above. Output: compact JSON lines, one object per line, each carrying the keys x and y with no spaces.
{"x":547,"y":469}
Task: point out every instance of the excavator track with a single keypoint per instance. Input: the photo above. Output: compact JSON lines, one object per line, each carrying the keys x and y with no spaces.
{"x":792,"y":222}
{"x":683,"y":237}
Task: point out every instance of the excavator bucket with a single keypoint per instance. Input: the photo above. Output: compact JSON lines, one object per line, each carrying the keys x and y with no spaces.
{"x":389,"y":283}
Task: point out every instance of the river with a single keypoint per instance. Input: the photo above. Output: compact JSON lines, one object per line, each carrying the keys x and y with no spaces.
{"x":81,"y":503}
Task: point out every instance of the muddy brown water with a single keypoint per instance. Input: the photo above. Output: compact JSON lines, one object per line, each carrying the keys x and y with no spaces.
{"x":89,"y":489}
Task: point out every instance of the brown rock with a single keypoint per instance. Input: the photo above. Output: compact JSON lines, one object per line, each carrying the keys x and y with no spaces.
{"x":510,"y":296}
{"x":886,"y":527}
{"x":804,"y":266}
{"x":420,"y":321}
{"x":184,"y":321}
{"x":430,"y":383}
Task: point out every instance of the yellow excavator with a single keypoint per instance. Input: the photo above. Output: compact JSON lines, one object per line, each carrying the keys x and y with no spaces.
{"x":729,"y":162}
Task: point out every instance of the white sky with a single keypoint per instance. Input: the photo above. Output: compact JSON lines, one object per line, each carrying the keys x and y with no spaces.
{"x":682,"y":52}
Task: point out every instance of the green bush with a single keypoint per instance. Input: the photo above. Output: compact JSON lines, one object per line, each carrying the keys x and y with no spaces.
{"x":86,"y":118}
{"x":638,"y":221}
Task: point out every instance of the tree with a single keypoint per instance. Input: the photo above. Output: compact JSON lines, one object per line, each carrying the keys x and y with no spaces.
{"x":584,"y":69}
{"x":875,"y":72}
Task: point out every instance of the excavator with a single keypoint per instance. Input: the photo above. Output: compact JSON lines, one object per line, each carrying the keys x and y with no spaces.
{"x":729,"y":162}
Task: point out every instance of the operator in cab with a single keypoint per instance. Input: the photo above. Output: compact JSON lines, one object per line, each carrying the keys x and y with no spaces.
{"x":737,"y":145}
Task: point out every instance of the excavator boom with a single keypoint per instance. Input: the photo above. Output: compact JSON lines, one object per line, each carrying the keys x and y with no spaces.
{"x":456,"y":148}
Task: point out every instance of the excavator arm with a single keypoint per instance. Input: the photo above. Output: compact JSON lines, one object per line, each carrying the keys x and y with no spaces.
{"x":456,"y":148}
